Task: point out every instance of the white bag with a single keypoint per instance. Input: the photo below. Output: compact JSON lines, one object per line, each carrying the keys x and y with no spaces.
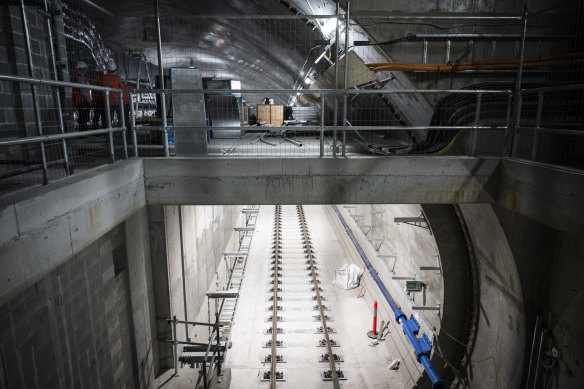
{"x":348,"y":276}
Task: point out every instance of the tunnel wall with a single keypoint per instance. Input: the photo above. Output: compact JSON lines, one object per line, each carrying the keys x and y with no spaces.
{"x":207,"y":231}
{"x":497,"y":356}
{"x":550,"y":266}
{"x":88,"y":322}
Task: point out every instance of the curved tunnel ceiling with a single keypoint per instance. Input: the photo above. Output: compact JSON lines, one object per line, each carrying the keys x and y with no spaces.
{"x":262,"y":54}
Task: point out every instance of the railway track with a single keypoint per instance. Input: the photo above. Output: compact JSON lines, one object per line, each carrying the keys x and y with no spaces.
{"x":297,"y":248}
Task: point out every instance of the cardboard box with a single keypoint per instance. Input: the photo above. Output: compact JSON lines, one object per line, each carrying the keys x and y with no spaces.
{"x":271,"y":113}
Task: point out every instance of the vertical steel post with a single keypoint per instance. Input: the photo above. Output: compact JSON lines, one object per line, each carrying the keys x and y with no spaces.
{"x":108,"y":122}
{"x":161,"y":86}
{"x":508,"y":111}
{"x":182,"y":264}
{"x":35,"y":99}
{"x":133,"y":124}
{"x":537,"y":125}
{"x":175,"y":342}
{"x":123,"y":122}
{"x":512,"y":135}
{"x":138,"y":80}
{"x":475,"y":131}
{"x":322,"y":97}
{"x":348,"y":17}
{"x":57,"y":92}
{"x":336,"y":107}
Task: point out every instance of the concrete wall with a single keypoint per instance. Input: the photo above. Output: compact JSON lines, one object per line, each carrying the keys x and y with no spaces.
{"x":412,"y":245}
{"x":88,"y":322}
{"x":206,"y":233}
{"x":550,"y":269}
{"x":497,"y":357}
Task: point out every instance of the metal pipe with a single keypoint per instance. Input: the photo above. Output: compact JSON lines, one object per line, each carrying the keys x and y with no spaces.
{"x":123,"y":124}
{"x":108,"y":122}
{"x":328,"y":128}
{"x":418,"y":17}
{"x":38,"y":81}
{"x":138,"y":80}
{"x":161,"y":83}
{"x":91,"y":3}
{"x":542,"y":337}
{"x":37,"y":112}
{"x":327,"y":91}
{"x":475,"y":131}
{"x":347,"y":27}
{"x":530,"y":365}
{"x":57,"y":92}
{"x":133,"y":124}
{"x":511,"y":136}
{"x":561,"y":88}
{"x":47,"y":138}
{"x":182,"y":264}
{"x":175,"y":338}
{"x":365,"y":16}
{"x":555,"y":131}
{"x":336,"y":107}
{"x":422,"y":346}
{"x":537,"y":125}
{"x":490,"y":36}
{"x":322,"y":98}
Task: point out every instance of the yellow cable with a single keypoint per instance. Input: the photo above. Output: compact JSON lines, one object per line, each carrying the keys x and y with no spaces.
{"x":449,"y":145}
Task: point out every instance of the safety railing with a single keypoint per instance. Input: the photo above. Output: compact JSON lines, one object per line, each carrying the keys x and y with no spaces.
{"x":317,"y":135}
{"x":551,"y":126}
{"x":57,"y":144}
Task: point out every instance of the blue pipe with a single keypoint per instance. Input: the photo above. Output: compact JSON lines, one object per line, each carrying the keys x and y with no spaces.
{"x":422,"y":346}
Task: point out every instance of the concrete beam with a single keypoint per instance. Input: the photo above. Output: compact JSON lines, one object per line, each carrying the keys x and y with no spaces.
{"x":399,"y":180}
{"x":43,"y":227}
{"x":550,"y":195}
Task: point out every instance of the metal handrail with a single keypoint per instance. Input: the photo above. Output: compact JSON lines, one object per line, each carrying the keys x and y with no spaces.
{"x":52,"y":137}
{"x":326,"y":128}
{"x":38,"y":81}
{"x":325,"y":91}
{"x":560,"y":88}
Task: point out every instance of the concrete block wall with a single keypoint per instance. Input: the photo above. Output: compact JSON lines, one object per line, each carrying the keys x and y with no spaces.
{"x":17,"y":116}
{"x":88,"y":323}
{"x":57,"y":333}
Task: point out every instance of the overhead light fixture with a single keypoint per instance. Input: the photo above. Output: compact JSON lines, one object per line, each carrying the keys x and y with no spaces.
{"x":308,"y":81}
{"x":329,"y":26}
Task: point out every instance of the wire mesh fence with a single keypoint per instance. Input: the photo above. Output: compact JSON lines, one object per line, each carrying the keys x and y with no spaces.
{"x":287,"y":85}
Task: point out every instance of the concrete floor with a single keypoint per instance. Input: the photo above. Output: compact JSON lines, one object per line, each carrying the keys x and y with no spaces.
{"x":364,"y":366}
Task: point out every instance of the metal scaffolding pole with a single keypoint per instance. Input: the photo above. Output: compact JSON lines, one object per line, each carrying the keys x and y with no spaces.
{"x":512,"y":133}
{"x":57,"y":92}
{"x":336,"y":107}
{"x":35,"y":100}
{"x":161,"y":83}
{"x":347,"y":20}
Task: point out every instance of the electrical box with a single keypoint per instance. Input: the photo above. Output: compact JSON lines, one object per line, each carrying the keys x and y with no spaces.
{"x":414,"y":286}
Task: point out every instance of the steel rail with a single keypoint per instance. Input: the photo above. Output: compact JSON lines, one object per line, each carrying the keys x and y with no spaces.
{"x":275,"y":302}
{"x":331,"y":359}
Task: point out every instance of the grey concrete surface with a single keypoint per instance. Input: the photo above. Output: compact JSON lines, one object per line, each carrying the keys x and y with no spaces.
{"x":318,"y":181}
{"x":546,"y":194}
{"x":44,"y":226}
{"x":497,"y":358}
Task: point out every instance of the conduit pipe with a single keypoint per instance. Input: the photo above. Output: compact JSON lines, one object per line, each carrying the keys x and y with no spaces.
{"x":571,"y":58}
{"x":422,"y":346}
